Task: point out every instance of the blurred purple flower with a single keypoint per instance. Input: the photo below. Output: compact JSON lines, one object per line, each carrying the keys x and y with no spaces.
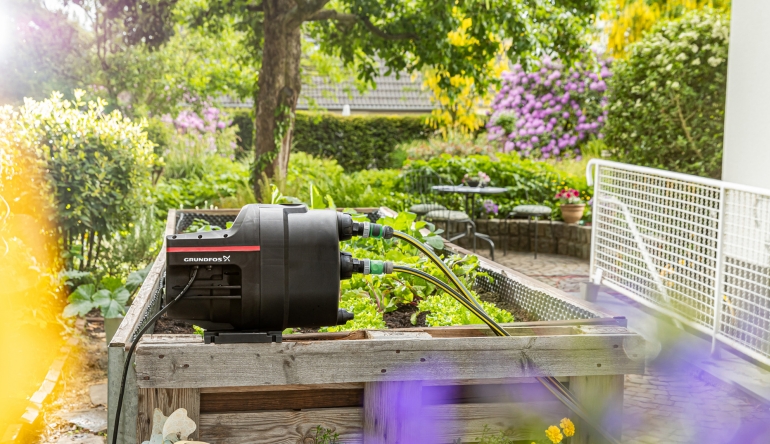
{"x":490,"y":207}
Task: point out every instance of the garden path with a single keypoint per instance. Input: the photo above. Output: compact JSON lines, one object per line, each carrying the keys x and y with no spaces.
{"x":673,"y":402}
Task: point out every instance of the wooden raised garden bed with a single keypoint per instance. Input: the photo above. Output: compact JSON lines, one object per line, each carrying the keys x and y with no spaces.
{"x":428,"y":385}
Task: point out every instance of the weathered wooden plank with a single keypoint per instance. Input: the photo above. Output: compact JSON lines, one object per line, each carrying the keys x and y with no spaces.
{"x":602,"y":396}
{"x":167,"y":400}
{"x":396,"y":334}
{"x":127,"y":433}
{"x":437,"y":424}
{"x":144,"y":295}
{"x":141,"y":301}
{"x":172,"y":339}
{"x":468,"y":422}
{"x":392,"y":412}
{"x":536,"y":328}
{"x":195,"y":365}
{"x":280,"y":427}
{"x":280,"y":400}
{"x":271,"y":388}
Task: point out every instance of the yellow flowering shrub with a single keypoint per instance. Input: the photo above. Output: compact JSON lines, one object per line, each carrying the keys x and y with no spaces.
{"x":460,"y":108}
{"x":628,"y":20}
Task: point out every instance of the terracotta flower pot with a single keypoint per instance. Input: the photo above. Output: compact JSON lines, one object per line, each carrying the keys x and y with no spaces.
{"x":572,"y":213}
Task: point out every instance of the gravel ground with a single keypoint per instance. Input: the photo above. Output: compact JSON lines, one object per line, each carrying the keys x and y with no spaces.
{"x":87,"y":366}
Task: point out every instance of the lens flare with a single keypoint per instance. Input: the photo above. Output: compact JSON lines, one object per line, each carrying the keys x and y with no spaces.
{"x":30,"y":302}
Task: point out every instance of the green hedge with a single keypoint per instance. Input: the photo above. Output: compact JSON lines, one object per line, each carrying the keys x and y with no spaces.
{"x":667,"y":100}
{"x":356,"y":143}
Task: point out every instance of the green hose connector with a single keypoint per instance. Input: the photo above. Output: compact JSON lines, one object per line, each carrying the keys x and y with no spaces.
{"x":378,"y":267}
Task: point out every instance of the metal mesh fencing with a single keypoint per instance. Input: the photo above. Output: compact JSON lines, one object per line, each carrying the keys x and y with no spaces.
{"x":680,"y":243}
{"x":745,"y":311}
{"x":540,"y":303}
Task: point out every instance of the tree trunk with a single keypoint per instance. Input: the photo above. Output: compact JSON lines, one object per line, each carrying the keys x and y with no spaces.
{"x":278,"y":90}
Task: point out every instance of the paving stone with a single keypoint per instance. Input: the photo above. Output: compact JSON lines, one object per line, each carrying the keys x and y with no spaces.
{"x":98,"y":393}
{"x":81,"y":438}
{"x":93,"y":420}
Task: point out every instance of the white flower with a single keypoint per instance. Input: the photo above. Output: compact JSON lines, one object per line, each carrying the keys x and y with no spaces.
{"x":696,"y":62}
{"x":715,"y":61}
{"x":682,"y":56}
{"x":669,"y":66}
{"x":675,"y":85}
{"x":694,"y":48}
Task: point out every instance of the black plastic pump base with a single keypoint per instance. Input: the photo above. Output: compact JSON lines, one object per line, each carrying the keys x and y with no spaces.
{"x":241,"y":337}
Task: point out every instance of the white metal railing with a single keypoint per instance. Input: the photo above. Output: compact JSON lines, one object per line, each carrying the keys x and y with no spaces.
{"x":695,"y":249}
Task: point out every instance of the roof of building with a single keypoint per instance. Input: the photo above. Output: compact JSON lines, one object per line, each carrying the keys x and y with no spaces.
{"x":391,"y":95}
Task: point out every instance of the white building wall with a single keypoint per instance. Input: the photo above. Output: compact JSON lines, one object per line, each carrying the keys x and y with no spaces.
{"x":747,"y":120}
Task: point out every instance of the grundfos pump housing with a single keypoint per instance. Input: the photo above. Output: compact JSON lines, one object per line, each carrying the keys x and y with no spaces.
{"x":278,"y":266}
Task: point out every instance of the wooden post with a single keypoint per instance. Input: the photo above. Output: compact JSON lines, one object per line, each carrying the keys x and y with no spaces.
{"x":391,"y":412}
{"x":167,"y":400}
{"x":602,"y":396}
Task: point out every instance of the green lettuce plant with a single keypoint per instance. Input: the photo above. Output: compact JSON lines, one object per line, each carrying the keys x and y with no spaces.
{"x":370,"y":296}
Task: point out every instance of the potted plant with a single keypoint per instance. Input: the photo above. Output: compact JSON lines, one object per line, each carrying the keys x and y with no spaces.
{"x":480,"y":179}
{"x":571,"y":205}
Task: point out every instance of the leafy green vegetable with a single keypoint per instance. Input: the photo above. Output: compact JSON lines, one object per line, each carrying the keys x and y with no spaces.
{"x":370,"y":296}
{"x":198,"y":330}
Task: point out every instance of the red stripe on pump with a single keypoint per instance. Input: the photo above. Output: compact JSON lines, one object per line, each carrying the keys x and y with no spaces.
{"x":210,"y":249}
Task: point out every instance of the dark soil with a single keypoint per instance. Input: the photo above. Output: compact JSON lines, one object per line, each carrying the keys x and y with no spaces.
{"x":173,"y":326}
{"x":402,"y":317}
{"x":519,"y":314}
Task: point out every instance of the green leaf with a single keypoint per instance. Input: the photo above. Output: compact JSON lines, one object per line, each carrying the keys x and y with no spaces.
{"x":136,"y":279}
{"x":111,"y":283}
{"x":80,"y":301}
{"x":435,"y":241}
{"x":111,"y":304}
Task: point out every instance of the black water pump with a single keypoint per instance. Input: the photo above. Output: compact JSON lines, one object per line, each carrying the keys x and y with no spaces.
{"x":278,"y":266}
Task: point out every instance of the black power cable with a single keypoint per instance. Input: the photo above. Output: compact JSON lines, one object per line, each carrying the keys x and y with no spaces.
{"x":116,"y":428}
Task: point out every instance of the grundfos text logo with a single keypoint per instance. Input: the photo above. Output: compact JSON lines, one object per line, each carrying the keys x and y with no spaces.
{"x":207,"y":259}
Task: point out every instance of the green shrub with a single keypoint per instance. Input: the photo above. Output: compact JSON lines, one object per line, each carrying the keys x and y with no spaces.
{"x":359,"y":189}
{"x":668,"y":99}
{"x":97,"y":168}
{"x":456,"y":144}
{"x":224,"y":181}
{"x":528,"y":181}
{"x":358,"y":143}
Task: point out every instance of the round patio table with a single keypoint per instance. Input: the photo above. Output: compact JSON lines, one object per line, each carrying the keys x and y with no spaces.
{"x":469,"y":193}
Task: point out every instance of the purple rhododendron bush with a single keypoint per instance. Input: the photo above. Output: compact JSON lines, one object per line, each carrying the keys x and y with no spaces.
{"x":552,"y":111}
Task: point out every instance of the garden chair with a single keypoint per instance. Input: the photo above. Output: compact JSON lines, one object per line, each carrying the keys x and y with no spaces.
{"x":530,"y":212}
{"x":419,"y":184}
